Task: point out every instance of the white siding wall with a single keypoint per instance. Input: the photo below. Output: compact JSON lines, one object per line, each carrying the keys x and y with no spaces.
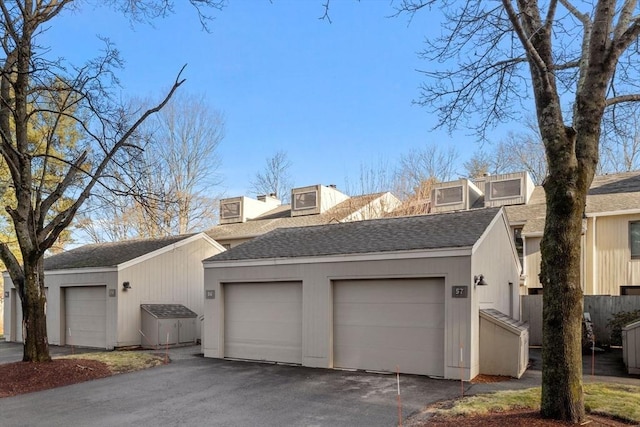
{"x":614,"y":264}
{"x":173,"y":277}
{"x":532,"y":260}
{"x":495,"y":258}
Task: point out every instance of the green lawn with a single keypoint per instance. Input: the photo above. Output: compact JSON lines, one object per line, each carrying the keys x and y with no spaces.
{"x":614,"y":400}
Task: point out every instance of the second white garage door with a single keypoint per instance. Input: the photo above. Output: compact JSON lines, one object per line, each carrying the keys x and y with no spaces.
{"x":383,"y":325}
{"x":263,"y":321}
{"x":86,"y":316}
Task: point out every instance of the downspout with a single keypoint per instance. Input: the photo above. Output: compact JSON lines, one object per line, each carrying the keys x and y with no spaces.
{"x":594,"y":259}
{"x":511,"y":296}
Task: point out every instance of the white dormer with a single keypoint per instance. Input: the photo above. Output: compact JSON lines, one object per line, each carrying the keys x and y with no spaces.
{"x":454,"y":196}
{"x":315,"y":199}
{"x":508,"y":189}
{"x":240,"y":209}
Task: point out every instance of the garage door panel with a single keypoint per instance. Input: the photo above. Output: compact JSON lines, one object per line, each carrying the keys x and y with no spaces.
{"x":387,"y":338}
{"x":263,"y":321}
{"x":398,"y":315}
{"x":374,"y":291}
{"x":402,"y":359}
{"x":384,"y":324}
{"x":86,"y":316}
{"x":276,"y":332}
{"x":277,"y":312}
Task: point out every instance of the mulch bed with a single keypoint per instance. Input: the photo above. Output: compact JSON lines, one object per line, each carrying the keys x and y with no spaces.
{"x":24,"y":377}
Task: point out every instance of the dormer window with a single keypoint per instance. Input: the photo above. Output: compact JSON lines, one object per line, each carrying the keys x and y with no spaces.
{"x":449,"y":195}
{"x":508,"y":188}
{"x":230,"y":210}
{"x":307,"y":200}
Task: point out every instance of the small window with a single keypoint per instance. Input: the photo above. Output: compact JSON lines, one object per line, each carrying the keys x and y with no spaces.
{"x":629,"y":290}
{"x":634,"y":239}
{"x":506,"y":188}
{"x":448,"y":195}
{"x":535,"y":291}
{"x":230,"y":210}
{"x":306,"y":200}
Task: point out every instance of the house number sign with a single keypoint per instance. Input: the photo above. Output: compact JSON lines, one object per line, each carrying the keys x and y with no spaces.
{"x":459,"y":291}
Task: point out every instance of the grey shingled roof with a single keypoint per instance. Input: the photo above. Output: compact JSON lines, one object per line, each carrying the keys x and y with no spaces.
{"x":168,"y":311}
{"x":280,"y":217}
{"x":447,"y":230}
{"x":107,"y":254}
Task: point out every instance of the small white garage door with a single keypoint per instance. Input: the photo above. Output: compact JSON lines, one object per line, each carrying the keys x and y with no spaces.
{"x":384,"y":325}
{"x":263,"y":321}
{"x":86,"y":316}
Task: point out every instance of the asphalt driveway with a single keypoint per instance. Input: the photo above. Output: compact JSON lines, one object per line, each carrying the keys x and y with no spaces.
{"x":194,"y":391}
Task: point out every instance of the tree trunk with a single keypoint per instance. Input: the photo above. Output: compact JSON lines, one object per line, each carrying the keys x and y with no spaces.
{"x":562,"y":394}
{"x":36,"y":343}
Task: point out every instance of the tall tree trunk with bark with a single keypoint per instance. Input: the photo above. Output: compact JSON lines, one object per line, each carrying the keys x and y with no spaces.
{"x":36,"y":344}
{"x":585,"y":50}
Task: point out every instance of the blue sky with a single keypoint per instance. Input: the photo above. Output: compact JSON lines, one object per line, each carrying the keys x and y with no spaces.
{"x":332,"y":95}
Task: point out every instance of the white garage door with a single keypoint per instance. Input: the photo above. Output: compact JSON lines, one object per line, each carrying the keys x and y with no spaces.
{"x":86,"y":316}
{"x":383,"y":325}
{"x":263,"y":321}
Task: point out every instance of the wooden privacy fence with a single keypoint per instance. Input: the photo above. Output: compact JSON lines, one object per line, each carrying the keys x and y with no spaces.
{"x":600,"y":307}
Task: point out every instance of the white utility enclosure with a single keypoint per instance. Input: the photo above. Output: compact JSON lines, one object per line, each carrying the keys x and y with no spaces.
{"x":167,"y":324}
{"x":501,"y":338}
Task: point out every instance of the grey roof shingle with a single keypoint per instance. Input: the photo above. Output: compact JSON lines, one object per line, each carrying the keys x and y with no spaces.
{"x":280,"y":217}
{"x":168,"y":311}
{"x":447,"y":230}
{"x":107,"y":254}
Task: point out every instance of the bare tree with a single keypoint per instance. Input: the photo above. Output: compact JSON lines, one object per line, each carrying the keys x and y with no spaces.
{"x":274,"y":178}
{"x":575,"y":60}
{"x":480,"y":164}
{"x":30,"y":83}
{"x":525,"y":150}
{"x":373,"y":178}
{"x":429,"y":163}
{"x":181,"y":148}
{"x":620,"y":141}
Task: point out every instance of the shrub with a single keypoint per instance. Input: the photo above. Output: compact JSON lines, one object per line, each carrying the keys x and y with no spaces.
{"x":619,"y":321}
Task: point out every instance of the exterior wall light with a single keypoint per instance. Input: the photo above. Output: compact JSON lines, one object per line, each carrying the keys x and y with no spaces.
{"x":479,"y":280}
{"x":126,"y":286}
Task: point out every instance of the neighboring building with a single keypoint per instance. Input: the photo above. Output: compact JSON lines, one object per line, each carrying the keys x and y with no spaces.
{"x":383,"y":294}
{"x":610,"y":242}
{"x":244,"y":218}
{"x":94,"y":292}
{"x":611,"y":239}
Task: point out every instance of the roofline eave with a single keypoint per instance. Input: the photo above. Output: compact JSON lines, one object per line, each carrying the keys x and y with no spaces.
{"x":372,"y":256}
